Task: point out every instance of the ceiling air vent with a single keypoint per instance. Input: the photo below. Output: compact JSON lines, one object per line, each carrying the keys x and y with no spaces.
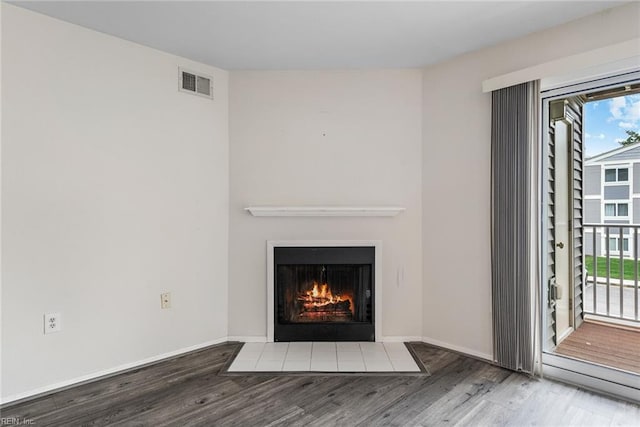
{"x":196,"y":84}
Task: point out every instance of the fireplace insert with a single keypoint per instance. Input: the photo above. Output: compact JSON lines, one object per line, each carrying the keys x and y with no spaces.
{"x":324,"y":293}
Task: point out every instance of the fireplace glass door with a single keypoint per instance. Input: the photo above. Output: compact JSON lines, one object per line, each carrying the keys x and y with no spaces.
{"x":324,"y":294}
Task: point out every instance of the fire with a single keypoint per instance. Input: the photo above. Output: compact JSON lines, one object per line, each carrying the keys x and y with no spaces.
{"x":321,"y":296}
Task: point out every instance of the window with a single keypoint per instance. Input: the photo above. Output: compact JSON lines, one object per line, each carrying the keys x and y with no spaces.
{"x":610,"y":209}
{"x":623,"y":174}
{"x":610,"y":175}
{"x":616,"y":209}
{"x":616,"y":175}
{"x":614,"y":244}
{"x":623,"y":209}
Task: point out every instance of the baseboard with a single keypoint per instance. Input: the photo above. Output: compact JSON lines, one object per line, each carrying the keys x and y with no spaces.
{"x":247,"y":338}
{"x":394,"y":338}
{"x":464,"y":350}
{"x":564,"y":335}
{"x":32,"y":394}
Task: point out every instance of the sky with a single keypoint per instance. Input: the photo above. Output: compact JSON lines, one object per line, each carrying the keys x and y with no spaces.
{"x":605,"y":122}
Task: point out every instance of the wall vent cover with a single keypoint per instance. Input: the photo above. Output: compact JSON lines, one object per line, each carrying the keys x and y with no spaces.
{"x":196,"y":84}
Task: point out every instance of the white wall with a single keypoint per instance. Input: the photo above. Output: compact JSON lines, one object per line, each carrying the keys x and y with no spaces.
{"x":325,"y":138}
{"x":456,"y":171}
{"x":114,"y":189}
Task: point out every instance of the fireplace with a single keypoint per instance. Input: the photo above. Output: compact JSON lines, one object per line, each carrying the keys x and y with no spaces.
{"x":324,"y":293}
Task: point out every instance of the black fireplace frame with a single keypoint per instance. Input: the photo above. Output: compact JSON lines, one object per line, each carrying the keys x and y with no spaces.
{"x":324,"y":331}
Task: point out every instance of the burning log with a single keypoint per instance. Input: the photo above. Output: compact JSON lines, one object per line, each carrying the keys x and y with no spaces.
{"x":319,"y":304}
{"x":344,"y":306}
{"x":310,"y":317}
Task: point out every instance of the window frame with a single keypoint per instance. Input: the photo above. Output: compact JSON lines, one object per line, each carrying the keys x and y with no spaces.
{"x":616,"y":249}
{"x":617,"y":174}
{"x":616,"y":209}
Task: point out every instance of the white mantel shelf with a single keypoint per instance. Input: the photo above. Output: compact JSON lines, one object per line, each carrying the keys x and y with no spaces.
{"x":311,"y":211}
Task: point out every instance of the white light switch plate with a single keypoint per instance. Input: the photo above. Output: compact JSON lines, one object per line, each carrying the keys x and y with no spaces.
{"x":165,"y":300}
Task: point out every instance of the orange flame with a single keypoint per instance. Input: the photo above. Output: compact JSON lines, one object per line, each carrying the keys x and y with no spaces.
{"x":320,"y":296}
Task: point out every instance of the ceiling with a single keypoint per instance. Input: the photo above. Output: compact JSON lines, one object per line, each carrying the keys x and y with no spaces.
{"x":310,"y":35}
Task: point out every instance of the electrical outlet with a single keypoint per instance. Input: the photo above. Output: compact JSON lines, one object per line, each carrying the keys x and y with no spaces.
{"x":165,"y":300}
{"x":52,"y":323}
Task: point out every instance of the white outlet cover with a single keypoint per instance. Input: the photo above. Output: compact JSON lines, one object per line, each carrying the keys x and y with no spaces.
{"x":52,"y":323}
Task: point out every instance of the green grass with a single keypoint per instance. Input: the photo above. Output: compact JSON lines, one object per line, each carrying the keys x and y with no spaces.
{"x":614,"y":262}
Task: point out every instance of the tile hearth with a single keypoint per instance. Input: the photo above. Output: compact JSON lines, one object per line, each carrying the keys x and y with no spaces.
{"x":324,"y":357}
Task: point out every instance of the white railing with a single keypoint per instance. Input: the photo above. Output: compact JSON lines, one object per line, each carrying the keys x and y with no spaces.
{"x":613,"y":291}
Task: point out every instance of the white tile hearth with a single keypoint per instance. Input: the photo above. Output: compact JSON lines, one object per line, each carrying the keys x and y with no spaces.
{"x":324,"y":357}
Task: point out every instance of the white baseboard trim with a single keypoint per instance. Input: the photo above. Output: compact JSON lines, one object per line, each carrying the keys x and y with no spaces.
{"x":242,"y":338}
{"x":394,"y":338}
{"x":478,"y":354}
{"x":105,"y":373}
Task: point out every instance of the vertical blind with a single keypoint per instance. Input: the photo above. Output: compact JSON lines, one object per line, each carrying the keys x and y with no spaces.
{"x":513,"y":138}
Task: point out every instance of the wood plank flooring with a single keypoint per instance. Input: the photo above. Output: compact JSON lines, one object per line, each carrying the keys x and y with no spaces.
{"x":606,"y":345}
{"x":190,"y":391}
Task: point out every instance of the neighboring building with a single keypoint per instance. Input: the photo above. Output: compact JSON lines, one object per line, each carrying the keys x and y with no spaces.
{"x":612,"y":196}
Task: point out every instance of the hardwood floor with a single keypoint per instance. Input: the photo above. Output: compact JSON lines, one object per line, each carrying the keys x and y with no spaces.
{"x":190,"y":391}
{"x":603,"y":344}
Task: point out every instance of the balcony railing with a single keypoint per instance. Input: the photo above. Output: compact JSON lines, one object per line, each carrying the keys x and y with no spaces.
{"x":610,"y":288}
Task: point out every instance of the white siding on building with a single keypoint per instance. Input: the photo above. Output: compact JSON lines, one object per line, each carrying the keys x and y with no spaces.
{"x":592,"y":211}
{"x":616,"y":192}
